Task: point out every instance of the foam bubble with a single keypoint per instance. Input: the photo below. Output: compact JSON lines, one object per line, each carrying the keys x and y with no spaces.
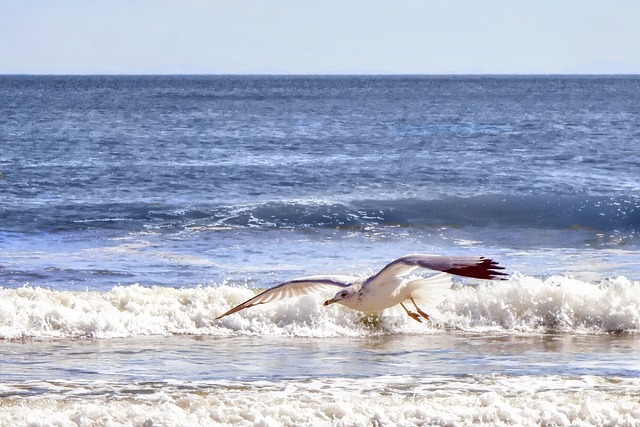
{"x":522,"y":304}
{"x":397,"y":400}
{"x":558,"y":303}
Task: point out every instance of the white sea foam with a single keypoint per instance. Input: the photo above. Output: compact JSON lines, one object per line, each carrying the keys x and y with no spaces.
{"x":396,"y":400}
{"x":522,"y":304}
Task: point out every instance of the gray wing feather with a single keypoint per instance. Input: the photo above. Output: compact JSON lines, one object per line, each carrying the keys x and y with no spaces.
{"x":476,"y":267}
{"x":294,"y":288}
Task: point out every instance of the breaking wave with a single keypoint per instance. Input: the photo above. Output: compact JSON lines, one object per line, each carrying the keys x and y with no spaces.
{"x":524,"y":304}
{"x":533,"y":211}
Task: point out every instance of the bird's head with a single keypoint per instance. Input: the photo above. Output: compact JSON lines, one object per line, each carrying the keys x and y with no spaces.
{"x":342,"y":296}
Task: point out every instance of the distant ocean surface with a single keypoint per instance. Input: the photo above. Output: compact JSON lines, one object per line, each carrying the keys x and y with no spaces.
{"x":134,"y":210}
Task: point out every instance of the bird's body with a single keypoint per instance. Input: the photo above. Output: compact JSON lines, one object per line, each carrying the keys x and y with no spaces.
{"x":393,"y":292}
{"x":388,"y":287}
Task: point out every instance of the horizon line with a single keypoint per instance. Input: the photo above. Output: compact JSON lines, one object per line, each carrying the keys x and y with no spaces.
{"x":315,"y":74}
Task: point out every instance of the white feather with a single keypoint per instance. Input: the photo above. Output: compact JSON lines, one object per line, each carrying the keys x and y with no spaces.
{"x":431,"y":291}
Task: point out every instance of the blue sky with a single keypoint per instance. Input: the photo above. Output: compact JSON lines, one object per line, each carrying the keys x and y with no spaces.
{"x":319,"y":37}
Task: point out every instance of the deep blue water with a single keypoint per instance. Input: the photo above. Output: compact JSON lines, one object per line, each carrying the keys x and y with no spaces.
{"x":203,"y":165}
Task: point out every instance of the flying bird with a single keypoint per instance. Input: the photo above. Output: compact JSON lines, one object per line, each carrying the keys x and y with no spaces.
{"x":388,"y":287}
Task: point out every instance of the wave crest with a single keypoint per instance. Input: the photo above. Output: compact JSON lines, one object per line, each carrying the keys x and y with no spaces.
{"x":531,"y":211}
{"x":555,"y":304}
{"x":524,"y":304}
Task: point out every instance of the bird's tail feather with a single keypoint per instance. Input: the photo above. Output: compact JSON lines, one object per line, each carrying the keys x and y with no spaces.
{"x":431,"y":291}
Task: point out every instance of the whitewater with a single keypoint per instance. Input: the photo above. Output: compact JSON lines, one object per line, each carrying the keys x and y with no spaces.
{"x":524,"y":304}
{"x":530,"y":401}
{"x":530,"y":351}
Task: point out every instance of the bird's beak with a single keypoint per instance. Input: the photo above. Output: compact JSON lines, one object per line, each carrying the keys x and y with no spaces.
{"x":329,"y":301}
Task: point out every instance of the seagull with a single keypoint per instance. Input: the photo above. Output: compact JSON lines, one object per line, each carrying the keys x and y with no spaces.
{"x":388,"y":287}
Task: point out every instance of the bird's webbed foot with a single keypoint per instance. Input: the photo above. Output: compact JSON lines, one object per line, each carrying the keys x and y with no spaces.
{"x":414,"y":316}
{"x":422,"y":313}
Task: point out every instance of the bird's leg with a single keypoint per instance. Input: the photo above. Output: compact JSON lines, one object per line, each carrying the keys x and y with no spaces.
{"x":422,"y":313}
{"x":411,"y":314}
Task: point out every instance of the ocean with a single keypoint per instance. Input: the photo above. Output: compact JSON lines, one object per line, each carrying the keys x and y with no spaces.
{"x":134,"y":210}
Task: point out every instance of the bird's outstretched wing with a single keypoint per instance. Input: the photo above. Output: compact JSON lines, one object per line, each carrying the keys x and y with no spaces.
{"x":476,"y":267}
{"x":294,"y":288}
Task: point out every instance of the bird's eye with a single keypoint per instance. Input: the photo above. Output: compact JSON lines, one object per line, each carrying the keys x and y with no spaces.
{"x":344,"y":294}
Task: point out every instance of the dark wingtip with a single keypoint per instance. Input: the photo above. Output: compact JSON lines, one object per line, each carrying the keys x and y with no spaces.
{"x":486,"y":269}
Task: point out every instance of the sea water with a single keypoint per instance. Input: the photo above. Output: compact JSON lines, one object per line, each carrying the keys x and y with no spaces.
{"x":134,"y":210}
